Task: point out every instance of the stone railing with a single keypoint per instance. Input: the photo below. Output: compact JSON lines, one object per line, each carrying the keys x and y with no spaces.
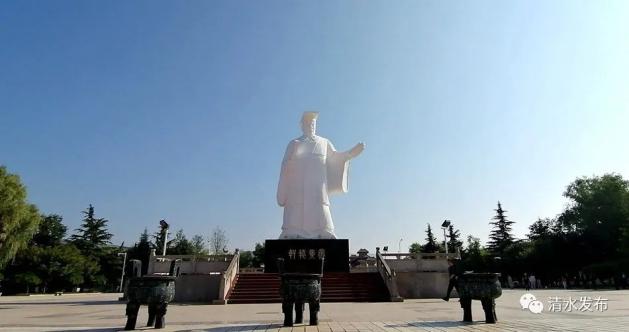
{"x":388,"y":276}
{"x":229,"y":276}
{"x":408,"y":255}
{"x":190,"y":264}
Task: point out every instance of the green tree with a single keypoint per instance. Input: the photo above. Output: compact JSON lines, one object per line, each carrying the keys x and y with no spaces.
{"x":500,"y":236}
{"x":18,"y":219}
{"x":431,"y":242}
{"x":27,"y":279}
{"x":102,"y":267}
{"x":61,"y":267}
{"x":541,"y":229}
{"x":246,"y":258}
{"x":141,"y":250}
{"x":93,"y":233}
{"x":199,"y":246}
{"x":180,"y":245}
{"x":258,"y":255}
{"x":415,"y":248}
{"x":51,"y":231}
{"x":454,"y":241}
{"x":158,"y":242}
{"x":475,"y":255}
{"x":599,"y":214}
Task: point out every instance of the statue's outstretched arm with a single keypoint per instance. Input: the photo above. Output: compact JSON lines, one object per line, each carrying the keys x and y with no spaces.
{"x":356,"y":150}
{"x":351,"y":153}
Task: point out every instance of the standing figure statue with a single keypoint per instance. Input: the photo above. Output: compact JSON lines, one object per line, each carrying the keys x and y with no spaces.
{"x":311,"y":170}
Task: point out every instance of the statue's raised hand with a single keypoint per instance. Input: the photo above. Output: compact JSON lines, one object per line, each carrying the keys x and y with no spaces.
{"x":357,"y":149}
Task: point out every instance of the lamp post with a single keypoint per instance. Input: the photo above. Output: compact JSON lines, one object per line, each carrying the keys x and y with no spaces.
{"x":124,"y":262}
{"x":446,"y":223}
{"x":164,"y":230}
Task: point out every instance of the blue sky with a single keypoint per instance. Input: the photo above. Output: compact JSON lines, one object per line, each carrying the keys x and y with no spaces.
{"x":182,"y":110}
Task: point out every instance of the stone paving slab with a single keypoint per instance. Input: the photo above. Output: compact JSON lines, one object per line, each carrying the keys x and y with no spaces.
{"x":102,"y":312}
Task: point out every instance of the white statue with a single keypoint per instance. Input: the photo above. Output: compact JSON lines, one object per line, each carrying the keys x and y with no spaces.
{"x":311,"y":170}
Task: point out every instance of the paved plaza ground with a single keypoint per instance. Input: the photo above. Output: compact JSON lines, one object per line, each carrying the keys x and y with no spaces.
{"x":102,"y":312}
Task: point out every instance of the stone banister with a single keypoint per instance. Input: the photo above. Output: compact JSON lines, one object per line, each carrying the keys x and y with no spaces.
{"x":388,"y":276}
{"x":229,"y":276}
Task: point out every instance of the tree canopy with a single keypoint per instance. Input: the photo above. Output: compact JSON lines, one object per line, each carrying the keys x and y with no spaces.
{"x":501,"y":235}
{"x":431,"y":242}
{"x":19,"y":219}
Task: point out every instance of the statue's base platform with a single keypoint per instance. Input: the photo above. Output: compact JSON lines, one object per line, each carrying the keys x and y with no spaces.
{"x":303,"y":255}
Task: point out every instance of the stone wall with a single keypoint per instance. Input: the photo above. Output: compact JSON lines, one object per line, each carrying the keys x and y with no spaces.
{"x":421,"y":276}
{"x":197,"y":287}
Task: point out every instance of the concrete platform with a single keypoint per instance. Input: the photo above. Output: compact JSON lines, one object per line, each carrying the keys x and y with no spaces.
{"x":102,"y":312}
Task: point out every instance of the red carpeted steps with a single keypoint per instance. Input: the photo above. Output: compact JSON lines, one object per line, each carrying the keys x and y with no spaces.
{"x":335,"y":287}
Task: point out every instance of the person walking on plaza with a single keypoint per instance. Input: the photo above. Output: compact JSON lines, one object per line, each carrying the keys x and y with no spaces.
{"x":453,"y":271}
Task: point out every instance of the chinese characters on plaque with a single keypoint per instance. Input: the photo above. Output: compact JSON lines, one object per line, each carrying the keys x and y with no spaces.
{"x":305,"y":254}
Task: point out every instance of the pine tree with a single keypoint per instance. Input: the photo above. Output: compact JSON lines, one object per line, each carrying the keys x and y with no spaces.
{"x":431,"y":241}
{"x":181,"y":245}
{"x":93,"y":234}
{"x":141,"y":250}
{"x":500,"y":237}
{"x":453,"y":242}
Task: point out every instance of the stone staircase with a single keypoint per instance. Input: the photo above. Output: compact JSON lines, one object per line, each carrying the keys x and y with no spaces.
{"x":335,"y":287}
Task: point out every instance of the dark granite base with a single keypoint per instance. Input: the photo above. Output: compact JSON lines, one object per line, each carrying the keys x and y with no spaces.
{"x":303,"y":255}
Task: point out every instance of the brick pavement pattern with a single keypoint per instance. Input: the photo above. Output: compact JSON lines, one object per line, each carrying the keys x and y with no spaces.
{"x":102,"y":312}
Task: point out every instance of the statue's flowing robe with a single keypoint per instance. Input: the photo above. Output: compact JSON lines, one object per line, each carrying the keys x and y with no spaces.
{"x":311,"y":170}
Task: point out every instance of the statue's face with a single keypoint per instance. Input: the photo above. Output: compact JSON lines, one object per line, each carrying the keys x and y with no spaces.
{"x":309,"y":127}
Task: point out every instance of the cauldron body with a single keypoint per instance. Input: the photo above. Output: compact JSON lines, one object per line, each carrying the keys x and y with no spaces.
{"x":154,"y":291}
{"x":479,"y":286}
{"x":297,"y":289}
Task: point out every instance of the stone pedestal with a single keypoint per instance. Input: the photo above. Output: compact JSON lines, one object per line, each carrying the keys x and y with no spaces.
{"x":304,"y":255}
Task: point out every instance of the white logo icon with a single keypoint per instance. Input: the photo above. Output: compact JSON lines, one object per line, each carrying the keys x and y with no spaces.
{"x":526,"y":299}
{"x":536,"y":307}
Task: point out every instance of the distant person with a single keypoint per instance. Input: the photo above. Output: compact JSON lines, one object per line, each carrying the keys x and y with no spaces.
{"x":509,"y":281}
{"x":526,"y":282}
{"x":532,"y":282}
{"x":453,"y":272}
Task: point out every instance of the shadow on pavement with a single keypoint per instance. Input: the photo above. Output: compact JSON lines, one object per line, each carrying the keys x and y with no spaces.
{"x":96,"y":329}
{"x":248,"y":327}
{"x":446,"y":323}
{"x":63,"y":303}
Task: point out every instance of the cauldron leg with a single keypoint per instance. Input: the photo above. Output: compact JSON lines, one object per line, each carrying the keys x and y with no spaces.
{"x":466,"y":304}
{"x":313,"y":306}
{"x":287,"y":309}
{"x":299,"y":312}
{"x":160,"y":315}
{"x":152,"y":310}
{"x":489,"y":306}
{"x":132,"y":315}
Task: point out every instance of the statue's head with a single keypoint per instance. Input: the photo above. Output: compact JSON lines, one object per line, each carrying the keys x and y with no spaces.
{"x":309,"y":123}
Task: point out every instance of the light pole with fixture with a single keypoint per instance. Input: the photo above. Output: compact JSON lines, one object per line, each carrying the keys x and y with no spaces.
{"x":446,"y":223}
{"x":124,"y":261}
{"x":164,"y":231}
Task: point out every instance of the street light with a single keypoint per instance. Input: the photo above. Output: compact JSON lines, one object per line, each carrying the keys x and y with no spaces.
{"x":124,"y":261}
{"x":164,"y":230}
{"x":446,"y":223}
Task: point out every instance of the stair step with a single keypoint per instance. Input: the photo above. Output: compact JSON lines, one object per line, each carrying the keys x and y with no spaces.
{"x":335,"y":287}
